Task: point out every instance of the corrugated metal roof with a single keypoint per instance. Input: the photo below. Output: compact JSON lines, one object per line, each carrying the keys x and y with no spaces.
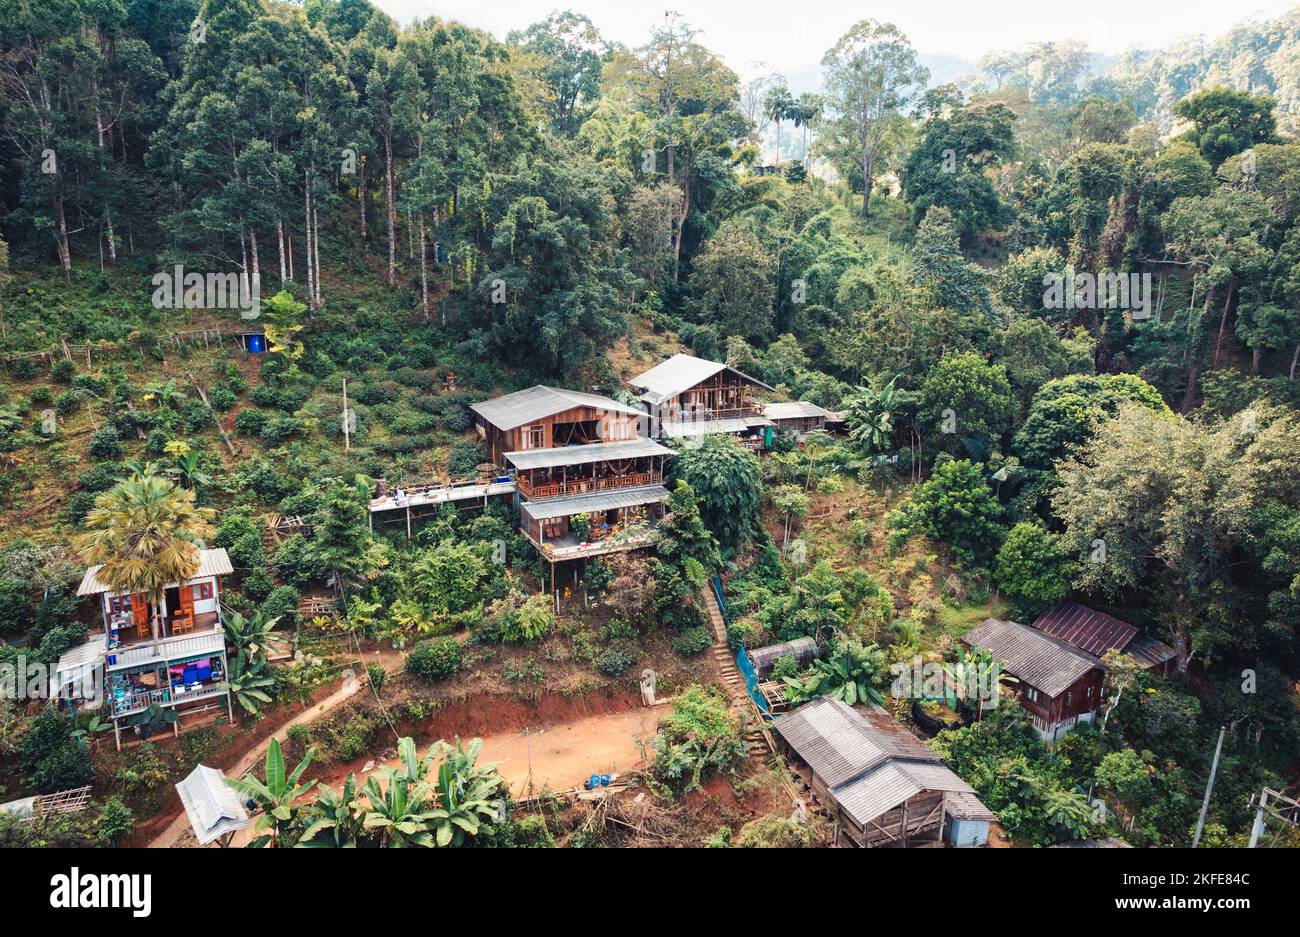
{"x":580,"y":455}
{"x":870,"y":762}
{"x":540,"y":401}
{"x":79,"y":664}
{"x":967,"y":806}
{"x":681,"y":372}
{"x":893,"y":782}
{"x":689,"y":428}
{"x":213,"y":806}
{"x":1045,"y":663}
{"x":602,"y":501}
{"x":168,"y":649}
{"x":1149,"y":652}
{"x":802,"y":649}
{"x":1096,"y":633}
{"x":795,"y":410}
{"x":1085,"y":628}
{"x":212,"y":562}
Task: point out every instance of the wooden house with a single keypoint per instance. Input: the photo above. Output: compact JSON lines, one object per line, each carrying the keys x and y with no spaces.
{"x":799,"y":417}
{"x":543,"y":417}
{"x":1095,"y":633}
{"x":171,"y":654}
{"x":882,"y":785}
{"x":1059,"y":685}
{"x":687,"y":396}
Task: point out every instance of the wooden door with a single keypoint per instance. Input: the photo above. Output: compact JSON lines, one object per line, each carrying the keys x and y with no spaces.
{"x":140,"y":614}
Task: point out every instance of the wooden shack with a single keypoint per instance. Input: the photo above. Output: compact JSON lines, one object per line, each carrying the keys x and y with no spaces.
{"x":1059,"y":685}
{"x":882,"y":786}
{"x":798,"y":416}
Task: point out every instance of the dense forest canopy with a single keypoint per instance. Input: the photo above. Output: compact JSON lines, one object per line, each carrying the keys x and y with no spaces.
{"x":1057,"y":308}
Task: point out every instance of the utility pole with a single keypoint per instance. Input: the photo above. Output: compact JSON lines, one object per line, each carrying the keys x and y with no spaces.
{"x":1209,"y":787}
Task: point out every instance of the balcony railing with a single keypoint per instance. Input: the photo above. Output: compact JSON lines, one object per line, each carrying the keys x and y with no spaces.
{"x":703,"y":415}
{"x":138,"y":702}
{"x":577,"y":486}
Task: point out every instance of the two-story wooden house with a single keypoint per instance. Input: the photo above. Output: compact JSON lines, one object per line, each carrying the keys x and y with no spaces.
{"x":687,"y":396}
{"x":587,"y":484}
{"x":171,"y":653}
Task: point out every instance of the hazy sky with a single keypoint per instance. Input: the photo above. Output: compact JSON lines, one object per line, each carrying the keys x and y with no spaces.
{"x":744,"y":31}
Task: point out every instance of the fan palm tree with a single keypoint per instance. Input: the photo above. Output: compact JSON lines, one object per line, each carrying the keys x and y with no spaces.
{"x":275,"y":795}
{"x":142,"y":533}
{"x":777,"y":105}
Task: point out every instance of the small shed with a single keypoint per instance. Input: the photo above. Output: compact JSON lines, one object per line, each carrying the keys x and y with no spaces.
{"x":882,"y":785}
{"x":213,"y":807}
{"x":764,"y":659}
{"x":798,"y":416}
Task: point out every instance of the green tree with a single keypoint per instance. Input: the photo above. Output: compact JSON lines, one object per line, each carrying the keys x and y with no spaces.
{"x":276,"y":793}
{"x":870,"y":75}
{"x":1031,"y":571}
{"x":956,"y":506}
{"x":1226,"y":121}
{"x":724,"y":476}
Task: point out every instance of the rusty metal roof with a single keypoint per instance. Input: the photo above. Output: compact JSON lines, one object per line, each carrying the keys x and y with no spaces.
{"x":1045,"y":663}
{"x":1085,"y":628}
{"x":1096,"y":633}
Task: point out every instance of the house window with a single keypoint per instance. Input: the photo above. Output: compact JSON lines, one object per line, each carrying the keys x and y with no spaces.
{"x":534,"y":437}
{"x":1089,"y":692}
{"x":120,"y":603}
{"x":1069,"y":698}
{"x":202,"y":590}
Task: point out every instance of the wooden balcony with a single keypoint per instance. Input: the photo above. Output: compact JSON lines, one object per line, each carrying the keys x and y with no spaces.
{"x":164,"y":696}
{"x":576,"y":486}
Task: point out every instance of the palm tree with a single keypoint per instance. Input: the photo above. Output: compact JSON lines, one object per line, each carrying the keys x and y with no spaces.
{"x":142,"y":533}
{"x":806,"y":112}
{"x":275,"y":795}
{"x":777,"y":105}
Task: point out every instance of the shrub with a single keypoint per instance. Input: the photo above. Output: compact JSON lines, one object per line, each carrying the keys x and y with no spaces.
{"x":222,"y":397}
{"x":376,"y":674}
{"x":435,"y":659}
{"x":520,"y":620}
{"x":774,"y":833}
{"x":250,"y":422}
{"x":116,"y":821}
{"x":615,"y":661}
{"x":692,"y":641}
{"x":300,"y":735}
{"x":106,"y":443}
{"x":52,"y":757}
{"x":464,"y":458}
{"x":63,"y":371}
{"x":699,"y":738}
{"x":281,"y":603}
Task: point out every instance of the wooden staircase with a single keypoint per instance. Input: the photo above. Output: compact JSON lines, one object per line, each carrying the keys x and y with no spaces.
{"x":756,"y":736}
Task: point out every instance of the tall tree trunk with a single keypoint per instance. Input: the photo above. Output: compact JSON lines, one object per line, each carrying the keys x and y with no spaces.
{"x":315,"y":246}
{"x":279,"y":241}
{"x":361,"y":194}
{"x":868,"y":167}
{"x":1254,"y":360}
{"x":65,"y":253}
{"x":1223,"y":325}
{"x":424,"y":272}
{"x":390,"y":196}
{"x":257,"y":264}
{"x":306,"y":221}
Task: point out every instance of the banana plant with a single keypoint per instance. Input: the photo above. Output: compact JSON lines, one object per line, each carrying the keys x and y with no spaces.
{"x":248,"y":682}
{"x":851,"y":674}
{"x":340,"y":818}
{"x":249,"y":635}
{"x":466,"y":791}
{"x":186,"y":468}
{"x":276,"y":795}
